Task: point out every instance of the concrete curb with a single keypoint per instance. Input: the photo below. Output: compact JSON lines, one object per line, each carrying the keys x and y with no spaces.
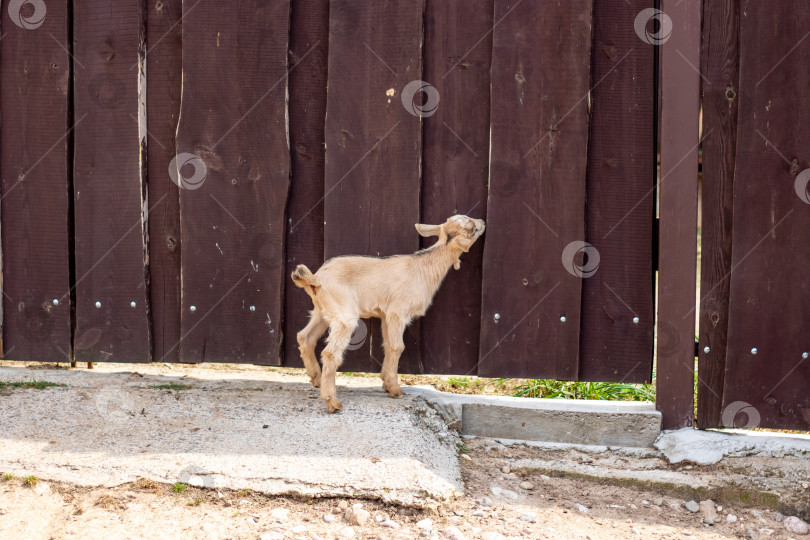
{"x":603,"y":423}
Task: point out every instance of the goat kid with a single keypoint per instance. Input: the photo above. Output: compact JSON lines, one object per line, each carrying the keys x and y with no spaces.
{"x":394,"y":289}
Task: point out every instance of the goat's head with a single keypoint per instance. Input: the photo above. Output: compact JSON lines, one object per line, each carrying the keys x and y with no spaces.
{"x":459,"y":232}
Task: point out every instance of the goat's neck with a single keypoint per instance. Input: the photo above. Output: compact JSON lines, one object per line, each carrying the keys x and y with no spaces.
{"x":439,"y":258}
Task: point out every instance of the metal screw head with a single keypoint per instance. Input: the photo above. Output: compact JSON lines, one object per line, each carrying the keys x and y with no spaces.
{"x":252,"y":308}
{"x":193,"y":308}
{"x":805,"y":355}
{"x":563,"y":319}
{"x":497,"y":317}
{"x":98,"y":304}
{"x":56,"y":301}
{"x":706,"y":349}
{"x":133,"y":304}
{"x":754,"y":350}
{"x":635,"y":320}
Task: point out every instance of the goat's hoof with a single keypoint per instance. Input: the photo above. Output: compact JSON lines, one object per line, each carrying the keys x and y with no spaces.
{"x":396,"y":392}
{"x":316,"y":381}
{"x":334,"y":406}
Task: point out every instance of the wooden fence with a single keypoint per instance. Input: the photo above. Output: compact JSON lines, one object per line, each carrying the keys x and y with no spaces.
{"x":164,"y":165}
{"x":107,"y":259}
{"x":755,"y":297}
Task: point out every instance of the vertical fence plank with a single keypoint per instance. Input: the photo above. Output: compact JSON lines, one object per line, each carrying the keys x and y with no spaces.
{"x":680,"y":86}
{"x":309,"y":44}
{"x":233,"y":129}
{"x":767,"y":374}
{"x":539,"y":118}
{"x":720,"y":65}
{"x":109,"y":228}
{"x":617,"y":301}
{"x":373,"y":145}
{"x":456,"y":158}
{"x":164,"y":77}
{"x":35,"y":79}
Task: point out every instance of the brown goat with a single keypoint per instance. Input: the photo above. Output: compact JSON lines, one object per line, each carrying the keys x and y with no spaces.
{"x":395,"y":289}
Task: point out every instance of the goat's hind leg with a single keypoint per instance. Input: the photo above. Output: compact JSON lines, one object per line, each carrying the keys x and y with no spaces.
{"x":393,"y":328}
{"x":307,"y":339}
{"x":340,"y":334}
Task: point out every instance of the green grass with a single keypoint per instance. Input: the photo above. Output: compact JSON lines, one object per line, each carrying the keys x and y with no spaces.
{"x":179,"y":487}
{"x":30,"y":481}
{"x":549,"y":388}
{"x":39,"y":385}
{"x":461,"y":446}
{"x":173,"y":386}
{"x":196,"y":502}
{"x":8,"y":476}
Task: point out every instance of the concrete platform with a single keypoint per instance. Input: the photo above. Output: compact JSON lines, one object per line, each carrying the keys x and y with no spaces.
{"x":604,"y":423}
{"x":256,"y":430}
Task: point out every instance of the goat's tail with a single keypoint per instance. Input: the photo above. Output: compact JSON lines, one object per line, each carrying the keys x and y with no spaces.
{"x":303,"y":278}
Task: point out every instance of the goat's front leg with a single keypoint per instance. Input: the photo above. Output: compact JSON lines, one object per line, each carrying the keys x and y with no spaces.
{"x":307,"y":339}
{"x":393,"y":327}
{"x":340,"y":334}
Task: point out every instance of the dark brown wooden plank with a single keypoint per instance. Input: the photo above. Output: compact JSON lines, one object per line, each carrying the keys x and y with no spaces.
{"x":34,"y":77}
{"x":456,"y":172}
{"x":373,"y":145}
{"x":617,"y":301}
{"x":309,"y":43}
{"x":164,"y":78}
{"x":233,"y":119}
{"x":720,"y":65}
{"x":770,"y":293}
{"x":680,"y":86}
{"x":539,"y":118}
{"x":109,"y":228}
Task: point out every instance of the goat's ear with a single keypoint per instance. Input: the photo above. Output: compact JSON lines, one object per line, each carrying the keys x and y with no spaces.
{"x":428,"y":230}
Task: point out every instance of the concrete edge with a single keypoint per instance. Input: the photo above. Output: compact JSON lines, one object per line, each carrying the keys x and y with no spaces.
{"x":580,"y":422}
{"x":710,"y":446}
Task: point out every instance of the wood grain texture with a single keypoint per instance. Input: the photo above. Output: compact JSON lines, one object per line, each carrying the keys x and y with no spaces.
{"x":108,"y":189}
{"x":309,"y":44}
{"x":620,"y":200}
{"x":233,"y":118}
{"x":720,"y":65}
{"x":769,"y":294}
{"x":373,"y":146}
{"x":539,"y":151}
{"x":458,"y":49}
{"x":680,"y":87}
{"x":35,"y":78}
{"x":164,"y":79}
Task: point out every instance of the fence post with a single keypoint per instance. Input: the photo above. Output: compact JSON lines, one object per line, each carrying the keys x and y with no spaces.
{"x":680,"y":101}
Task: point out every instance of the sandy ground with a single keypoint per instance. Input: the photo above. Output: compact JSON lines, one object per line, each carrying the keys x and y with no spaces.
{"x":548,"y":510}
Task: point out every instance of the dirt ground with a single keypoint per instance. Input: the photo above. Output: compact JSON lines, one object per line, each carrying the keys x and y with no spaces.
{"x":549,"y":508}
